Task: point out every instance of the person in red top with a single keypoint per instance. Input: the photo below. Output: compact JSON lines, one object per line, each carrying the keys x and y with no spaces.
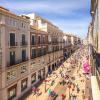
{"x":63,"y":96}
{"x":34,"y":90}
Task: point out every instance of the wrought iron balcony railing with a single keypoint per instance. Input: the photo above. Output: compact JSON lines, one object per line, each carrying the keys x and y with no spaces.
{"x":23,"y":43}
{"x":12,"y":44}
{"x":12,"y":63}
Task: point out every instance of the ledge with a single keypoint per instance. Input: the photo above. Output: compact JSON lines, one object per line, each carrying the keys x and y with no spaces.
{"x":95,"y":88}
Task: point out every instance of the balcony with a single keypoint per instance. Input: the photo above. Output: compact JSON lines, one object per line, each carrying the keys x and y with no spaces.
{"x":33,"y":43}
{"x":49,"y":42}
{"x":17,"y":62}
{"x":24,"y":59}
{"x":23,"y":44}
{"x":33,"y":57}
{"x":13,"y":44}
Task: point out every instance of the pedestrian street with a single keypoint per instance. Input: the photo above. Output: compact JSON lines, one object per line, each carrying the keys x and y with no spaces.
{"x":69,"y":83}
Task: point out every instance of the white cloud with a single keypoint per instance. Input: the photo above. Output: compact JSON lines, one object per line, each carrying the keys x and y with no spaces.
{"x":56,"y":7}
{"x":78,"y":26}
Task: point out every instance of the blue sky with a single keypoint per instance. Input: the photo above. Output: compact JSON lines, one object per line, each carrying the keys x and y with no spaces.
{"x":71,"y":16}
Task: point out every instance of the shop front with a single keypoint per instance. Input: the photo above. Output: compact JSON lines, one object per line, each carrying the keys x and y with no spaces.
{"x":49,"y":70}
{"x":12,"y":92}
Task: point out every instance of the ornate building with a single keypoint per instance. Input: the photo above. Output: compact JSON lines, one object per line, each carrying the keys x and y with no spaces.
{"x":94,"y":47}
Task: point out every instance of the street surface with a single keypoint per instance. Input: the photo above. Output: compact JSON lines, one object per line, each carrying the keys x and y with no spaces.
{"x":68,"y":80}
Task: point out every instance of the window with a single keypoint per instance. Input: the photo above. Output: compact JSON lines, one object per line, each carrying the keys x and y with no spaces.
{"x":33,"y":78}
{"x":12,"y":92}
{"x":14,"y":22}
{"x":39,"y":40}
{"x":23,"y":84}
{"x":22,"y":25}
{"x":33,"y":53}
{"x":39,"y":52}
{"x":23,"y":55}
{"x":44,"y":39}
{"x":12,"y":57}
{"x":23,"y":69}
{"x":33,"y":40}
{"x":12,"y":39}
{"x":11,"y":75}
{"x":43,"y":51}
{"x":23,"y":39}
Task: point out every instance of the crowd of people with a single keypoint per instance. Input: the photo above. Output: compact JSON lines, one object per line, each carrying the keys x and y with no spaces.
{"x":76,"y":61}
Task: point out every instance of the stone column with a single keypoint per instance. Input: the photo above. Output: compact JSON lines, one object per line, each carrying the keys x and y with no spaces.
{"x":18,"y":88}
{"x":36,"y":75}
{"x":3,"y":94}
{"x":29,"y":81}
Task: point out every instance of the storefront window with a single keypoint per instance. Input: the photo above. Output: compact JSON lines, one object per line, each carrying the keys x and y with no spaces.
{"x":12,"y":92}
{"x":33,"y":78}
{"x":24,"y":84}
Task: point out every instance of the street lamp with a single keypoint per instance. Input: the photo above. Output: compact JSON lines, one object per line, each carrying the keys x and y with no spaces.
{"x":45,"y":84}
{"x":69,"y":86}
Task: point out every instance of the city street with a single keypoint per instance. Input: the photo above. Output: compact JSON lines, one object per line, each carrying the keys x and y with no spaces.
{"x":50,"y":50}
{"x":67,"y":80}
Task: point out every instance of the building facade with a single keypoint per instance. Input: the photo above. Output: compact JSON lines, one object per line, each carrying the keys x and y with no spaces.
{"x":71,"y":43}
{"x":54,"y":49}
{"x":14,"y":31}
{"x":94,"y":47}
{"x":31,"y":48}
{"x":27,"y":53}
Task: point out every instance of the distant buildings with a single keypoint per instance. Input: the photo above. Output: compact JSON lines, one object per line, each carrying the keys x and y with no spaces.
{"x":30,"y":49}
{"x":71,"y":43}
{"x":85,"y":41}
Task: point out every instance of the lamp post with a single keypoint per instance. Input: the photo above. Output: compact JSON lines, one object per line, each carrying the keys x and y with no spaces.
{"x":45,"y":84}
{"x":69,"y":86}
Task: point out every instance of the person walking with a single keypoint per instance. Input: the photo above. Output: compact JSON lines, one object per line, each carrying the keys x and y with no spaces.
{"x":34,"y":90}
{"x":83,"y":95}
{"x":62,"y":96}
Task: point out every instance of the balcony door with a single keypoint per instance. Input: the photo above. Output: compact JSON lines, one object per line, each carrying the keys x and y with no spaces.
{"x":23,"y":55}
{"x":12,"y":39}
{"x":23,"y":39}
{"x":12,"y":58}
{"x":33,"y":40}
{"x":33,"y":53}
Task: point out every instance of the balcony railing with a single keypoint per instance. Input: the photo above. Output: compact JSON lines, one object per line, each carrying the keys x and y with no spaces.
{"x":23,"y":43}
{"x":16,"y":62}
{"x":14,"y":44}
{"x":33,"y":43}
{"x":32,"y":57}
{"x":24,"y":59}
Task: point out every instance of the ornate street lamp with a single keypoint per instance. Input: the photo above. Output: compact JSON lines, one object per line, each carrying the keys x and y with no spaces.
{"x":45,"y":84}
{"x":69,"y":86}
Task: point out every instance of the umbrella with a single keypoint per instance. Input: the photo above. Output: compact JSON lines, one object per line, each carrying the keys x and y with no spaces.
{"x":49,"y":91}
